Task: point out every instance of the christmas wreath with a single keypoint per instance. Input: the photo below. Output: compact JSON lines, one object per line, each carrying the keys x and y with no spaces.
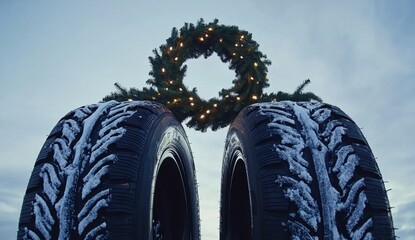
{"x":233,"y":46}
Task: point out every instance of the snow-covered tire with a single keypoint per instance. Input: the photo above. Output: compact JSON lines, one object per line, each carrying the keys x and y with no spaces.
{"x":113,"y":171}
{"x":301,"y":171}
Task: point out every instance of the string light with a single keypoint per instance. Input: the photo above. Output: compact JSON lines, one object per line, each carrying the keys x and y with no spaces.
{"x":233,"y":54}
{"x":201,"y":39}
{"x":254,"y":97}
{"x":206,"y":35}
{"x":171,"y":82}
{"x":181,"y":44}
{"x":192,"y":104}
{"x":191,"y":98}
{"x":181,"y":89}
{"x":175,"y":100}
{"x":252,"y":78}
{"x":171,"y":48}
{"x":163,"y":70}
{"x":242,"y":37}
{"x":238,"y":98}
{"x":215,"y":105}
{"x":207,"y":111}
{"x":226,"y":96}
{"x":210,"y":29}
{"x":236,"y":45}
{"x":130,"y":100}
{"x":202,"y":116}
{"x":221,"y":40}
{"x":176,"y":58}
{"x":167,"y":89}
{"x":242,"y":57}
{"x":255,"y":64}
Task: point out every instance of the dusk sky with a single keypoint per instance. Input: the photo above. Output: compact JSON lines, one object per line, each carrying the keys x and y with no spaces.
{"x":57,"y":56}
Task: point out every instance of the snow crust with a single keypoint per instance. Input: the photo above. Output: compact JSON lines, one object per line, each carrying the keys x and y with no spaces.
{"x":71,"y":157}
{"x":321,"y":142}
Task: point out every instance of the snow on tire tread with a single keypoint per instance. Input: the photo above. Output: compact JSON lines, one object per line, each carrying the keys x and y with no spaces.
{"x":78,"y":166}
{"x":340,"y":196}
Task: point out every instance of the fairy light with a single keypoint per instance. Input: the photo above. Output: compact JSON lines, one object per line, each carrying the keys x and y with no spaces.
{"x":215,"y":105}
{"x":255,"y":64}
{"x":163,"y":70}
{"x":171,"y":81}
{"x":176,"y":58}
{"x":181,"y":44}
{"x":206,"y":35}
{"x":167,"y":89}
{"x":191,"y":98}
{"x":226,"y":96}
{"x":180,"y":89}
{"x":241,"y":57}
{"x":233,"y":54}
{"x":175,"y":100}
{"x":238,"y":98}
{"x":202,"y":116}
{"x":221,"y":40}
{"x":252,"y":78}
{"x":254,"y":97}
{"x":192,"y":104}
{"x":201,"y":39}
{"x":207,"y":111}
{"x":236,"y":45}
{"x":171,"y":48}
{"x":130,"y":100}
{"x":210,"y":29}
{"x":242,"y":36}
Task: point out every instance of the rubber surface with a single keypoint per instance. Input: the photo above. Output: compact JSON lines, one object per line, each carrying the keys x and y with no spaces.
{"x":310,"y":174}
{"x":101,"y":174}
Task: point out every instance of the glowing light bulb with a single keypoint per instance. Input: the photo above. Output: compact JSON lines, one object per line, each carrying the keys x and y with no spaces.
{"x":256,"y":64}
{"x":210,"y":29}
{"x":175,"y":100}
{"x":206,"y":35}
{"x":252,"y":78}
{"x":181,"y":89}
{"x":171,"y":48}
{"x":254,"y":97}
{"x":202,"y":116}
{"x":215,"y":105}
{"x":171,"y":82}
{"x":130,"y":100}
{"x":176,"y":58}
{"x":181,"y":44}
{"x":233,"y":54}
{"x":242,"y":36}
{"x":163,"y":70}
{"x":236,"y":45}
{"x":201,"y":39}
{"x":226,"y":96}
{"x":207,"y":111}
{"x":242,"y":57}
{"x":192,"y":104}
{"x":221,"y":40}
{"x":191,"y":98}
{"x":238,"y":98}
{"x":167,"y":89}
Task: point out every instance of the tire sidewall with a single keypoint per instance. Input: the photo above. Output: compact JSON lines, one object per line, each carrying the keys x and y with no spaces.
{"x":238,"y":141}
{"x":165,"y":137}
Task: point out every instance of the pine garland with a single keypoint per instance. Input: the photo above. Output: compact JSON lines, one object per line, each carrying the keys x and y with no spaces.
{"x":233,"y":46}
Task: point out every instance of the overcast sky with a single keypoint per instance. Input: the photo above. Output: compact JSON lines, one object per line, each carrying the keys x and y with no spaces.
{"x":57,"y":56}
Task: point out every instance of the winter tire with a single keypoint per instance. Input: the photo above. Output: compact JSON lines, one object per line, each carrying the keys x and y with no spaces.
{"x":113,"y":171}
{"x":301,"y":171}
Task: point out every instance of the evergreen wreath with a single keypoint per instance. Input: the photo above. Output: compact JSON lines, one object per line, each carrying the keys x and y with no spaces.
{"x":231,"y":45}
